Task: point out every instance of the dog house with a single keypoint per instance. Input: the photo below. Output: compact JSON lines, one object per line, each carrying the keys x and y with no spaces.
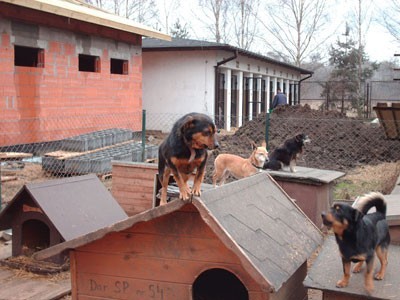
{"x":244,"y":240}
{"x":327,"y":270}
{"x":45,"y":214}
{"x":311,"y":188}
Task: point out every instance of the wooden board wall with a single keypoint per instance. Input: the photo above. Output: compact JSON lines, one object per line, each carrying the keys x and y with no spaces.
{"x":159,"y":259}
{"x":133,"y":186}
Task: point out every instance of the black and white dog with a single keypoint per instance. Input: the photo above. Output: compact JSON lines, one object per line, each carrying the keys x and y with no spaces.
{"x":286,"y":154}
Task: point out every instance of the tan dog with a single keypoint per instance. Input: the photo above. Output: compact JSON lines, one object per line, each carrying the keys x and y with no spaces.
{"x":239,"y":167}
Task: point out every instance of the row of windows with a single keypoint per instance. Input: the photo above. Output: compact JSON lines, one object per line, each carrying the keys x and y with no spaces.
{"x":34,"y":57}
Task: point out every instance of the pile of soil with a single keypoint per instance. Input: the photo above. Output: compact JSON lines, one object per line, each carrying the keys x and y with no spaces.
{"x":337,"y":142}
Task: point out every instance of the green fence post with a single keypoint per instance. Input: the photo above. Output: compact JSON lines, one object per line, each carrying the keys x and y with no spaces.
{"x":267,"y":118}
{"x":1,"y":195}
{"x":143,"y":135}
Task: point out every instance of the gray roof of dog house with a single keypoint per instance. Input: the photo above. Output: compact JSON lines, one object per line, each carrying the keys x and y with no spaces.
{"x":253,"y":217}
{"x":309,"y":175}
{"x":74,"y":205}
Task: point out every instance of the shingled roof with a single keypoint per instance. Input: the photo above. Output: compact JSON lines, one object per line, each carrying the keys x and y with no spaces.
{"x":75,"y":206}
{"x":178,"y":44}
{"x":253,"y":217}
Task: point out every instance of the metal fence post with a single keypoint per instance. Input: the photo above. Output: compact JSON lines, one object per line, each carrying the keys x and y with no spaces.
{"x":1,"y":195}
{"x":143,"y":135}
{"x":267,"y":119}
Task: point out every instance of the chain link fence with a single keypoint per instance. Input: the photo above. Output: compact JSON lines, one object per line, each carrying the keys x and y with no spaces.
{"x":90,"y":145}
{"x":338,"y":95}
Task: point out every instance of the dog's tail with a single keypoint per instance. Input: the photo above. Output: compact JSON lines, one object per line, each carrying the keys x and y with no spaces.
{"x":370,"y":200}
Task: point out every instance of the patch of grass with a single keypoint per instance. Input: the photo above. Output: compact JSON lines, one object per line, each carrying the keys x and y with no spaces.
{"x":361,"y":180}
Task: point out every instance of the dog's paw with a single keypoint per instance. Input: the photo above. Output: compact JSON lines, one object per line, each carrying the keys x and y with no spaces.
{"x":196,"y":192}
{"x":184,"y":195}
{"x":369,"y":287}
{"x":342,"y":283}
{"x":379,"y":276}
{"x":358,"y":267}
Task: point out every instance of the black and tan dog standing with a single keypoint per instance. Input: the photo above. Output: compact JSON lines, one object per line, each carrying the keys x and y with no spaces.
{"x":185,"y":151}
{"x":360,"y":235}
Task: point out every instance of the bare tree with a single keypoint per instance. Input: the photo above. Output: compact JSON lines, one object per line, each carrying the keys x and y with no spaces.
{"x":169,"y":6}
{"x":390,"y":19}
{"x":245,"y":22}
{"x":215,"y":12}
{"x":141,"y":11}
{"x":297,"y":28}
{"x":361,"y":18}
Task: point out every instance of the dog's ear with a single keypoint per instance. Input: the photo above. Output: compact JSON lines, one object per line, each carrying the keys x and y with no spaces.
{"x":188,"y":122}
{"x":253,"y":145}
{"x":264,"y":144}
{"x":299,"y":137}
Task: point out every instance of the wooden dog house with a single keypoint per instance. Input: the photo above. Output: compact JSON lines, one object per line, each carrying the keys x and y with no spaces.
{"x":311,"y":188}
{"x":244,"y":240}
{"x":327,"y":270}
{"x":45,"y":214}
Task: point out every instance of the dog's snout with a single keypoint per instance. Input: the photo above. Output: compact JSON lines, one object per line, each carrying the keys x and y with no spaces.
{"x":216,"y":145}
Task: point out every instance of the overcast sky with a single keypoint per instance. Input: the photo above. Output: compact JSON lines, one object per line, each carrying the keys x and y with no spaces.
{"x":379,"y":43}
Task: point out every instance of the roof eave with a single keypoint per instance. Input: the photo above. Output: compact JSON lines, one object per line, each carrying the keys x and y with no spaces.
{"x":87,"y":14}
{"x":227,"y":48}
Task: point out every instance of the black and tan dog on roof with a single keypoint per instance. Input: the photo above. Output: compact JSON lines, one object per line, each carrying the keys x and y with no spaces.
{"x":185,"y":151}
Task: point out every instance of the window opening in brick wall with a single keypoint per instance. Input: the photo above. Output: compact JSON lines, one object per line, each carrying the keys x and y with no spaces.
{"x":28,"y":57}
{"x":118,"y":66}
{"x":89,"y":63}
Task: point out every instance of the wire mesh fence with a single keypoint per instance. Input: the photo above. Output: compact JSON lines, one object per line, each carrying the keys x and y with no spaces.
{"x":43,"y":151}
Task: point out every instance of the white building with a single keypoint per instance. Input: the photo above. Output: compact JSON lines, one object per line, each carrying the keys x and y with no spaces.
{"x":228,"y":83}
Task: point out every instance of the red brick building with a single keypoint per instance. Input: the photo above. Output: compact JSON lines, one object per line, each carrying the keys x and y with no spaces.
{"x":65,"y":67}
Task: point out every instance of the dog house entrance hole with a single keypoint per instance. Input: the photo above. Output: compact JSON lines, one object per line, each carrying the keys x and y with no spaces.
{"x":35,"y":236}
{"x":219,"y":284}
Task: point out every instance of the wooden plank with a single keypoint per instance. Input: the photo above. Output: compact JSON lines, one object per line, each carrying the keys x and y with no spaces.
{"x":113,"y":287}
{"x":14,"y":155}
{"x":73,"y":271}
{"x":87,"y":14}
{"x":8,"y":178}
{"x":17,"y":288}
{"x":61,"y":154}
{"x":387,"y":117}
{"x":147,"y":268}
{"x":178,"y":223}
{"x":185,"y":248}
{"x":393,"y":209}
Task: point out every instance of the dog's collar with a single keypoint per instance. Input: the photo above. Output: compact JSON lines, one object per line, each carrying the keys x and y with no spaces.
{"x":257,"y":166}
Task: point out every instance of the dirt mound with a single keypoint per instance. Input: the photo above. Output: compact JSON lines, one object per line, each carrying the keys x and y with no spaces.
{"x":337,"y":142}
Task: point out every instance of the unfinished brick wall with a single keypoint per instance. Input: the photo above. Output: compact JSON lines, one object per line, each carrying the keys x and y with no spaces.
{"x":58,"y":100}
{"x":133,"y":185}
